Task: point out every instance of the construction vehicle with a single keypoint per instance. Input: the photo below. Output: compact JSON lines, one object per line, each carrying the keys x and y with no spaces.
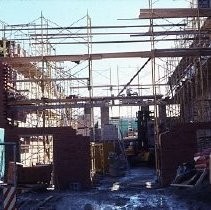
{"x":140,"y":148}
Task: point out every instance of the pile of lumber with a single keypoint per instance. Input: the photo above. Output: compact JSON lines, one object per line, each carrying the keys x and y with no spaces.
{"x":192,"y":174}
{"x":202,"y":159}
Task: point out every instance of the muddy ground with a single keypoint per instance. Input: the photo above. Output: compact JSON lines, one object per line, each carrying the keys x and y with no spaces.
{"x":125,"y":193}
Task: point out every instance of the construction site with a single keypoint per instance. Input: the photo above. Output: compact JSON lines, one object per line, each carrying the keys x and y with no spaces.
{"x":74,"y":137}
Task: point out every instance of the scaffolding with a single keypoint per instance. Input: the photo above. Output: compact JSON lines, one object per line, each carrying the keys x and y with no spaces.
{"x":43,"y":80}
{"x":189,"y":76}
{"x":43,"y":87}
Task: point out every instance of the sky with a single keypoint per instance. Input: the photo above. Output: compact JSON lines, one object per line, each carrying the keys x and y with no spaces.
{"x":67,"y":11}
{"x":102,"y":12}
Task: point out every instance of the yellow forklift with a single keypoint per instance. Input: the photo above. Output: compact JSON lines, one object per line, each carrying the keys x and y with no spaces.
{"x":140,"y":149}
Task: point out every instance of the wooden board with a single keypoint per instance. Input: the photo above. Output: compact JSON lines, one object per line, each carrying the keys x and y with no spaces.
{"x":174,"y":13}
{"x":178,"y":52}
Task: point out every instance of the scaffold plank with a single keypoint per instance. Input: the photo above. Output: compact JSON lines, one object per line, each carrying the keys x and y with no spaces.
{"x":174,"y":13}
{"x":174,"y":52}
{"x":83,"y":99}
{"x":30,"y":108}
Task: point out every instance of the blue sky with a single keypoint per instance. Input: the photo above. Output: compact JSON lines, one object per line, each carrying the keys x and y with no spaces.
{"x":64,"y":11}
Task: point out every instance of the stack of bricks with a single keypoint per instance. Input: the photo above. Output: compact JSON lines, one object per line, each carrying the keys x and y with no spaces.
{"x":72,"y":161}
{"x":174,"y":148}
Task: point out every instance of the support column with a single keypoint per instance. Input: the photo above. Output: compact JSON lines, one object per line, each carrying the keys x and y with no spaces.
{"x":104,"y":111}
{"x":162,"y":114}
{"x":87,"y":120}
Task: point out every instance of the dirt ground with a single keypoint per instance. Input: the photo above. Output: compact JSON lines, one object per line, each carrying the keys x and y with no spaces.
{"x":124,"y":193}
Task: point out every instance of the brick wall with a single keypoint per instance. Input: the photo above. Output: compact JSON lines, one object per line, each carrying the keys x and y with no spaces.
{"x":175,"y":147}
{"x":72,"y":161}
{"x":71,"y":154}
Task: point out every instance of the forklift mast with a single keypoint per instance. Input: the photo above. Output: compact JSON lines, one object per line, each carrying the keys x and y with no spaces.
{"x":143,"y":117}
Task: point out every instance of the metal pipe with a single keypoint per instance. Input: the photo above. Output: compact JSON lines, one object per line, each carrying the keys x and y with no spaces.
{"x":85,"y":27}
{"x":157,"y":33}
{"x":164,"y":33}
{"x":111,"y":86}
{"x":15,"y":165}
{"x":46,"y":80}
{"x":122,"y":41}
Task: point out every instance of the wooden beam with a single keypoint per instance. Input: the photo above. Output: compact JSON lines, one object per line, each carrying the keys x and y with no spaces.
{"x":174,"y":13}
{"x":82,"y":99}
{"x":30,"y":108}
{"x":174,"y":52}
